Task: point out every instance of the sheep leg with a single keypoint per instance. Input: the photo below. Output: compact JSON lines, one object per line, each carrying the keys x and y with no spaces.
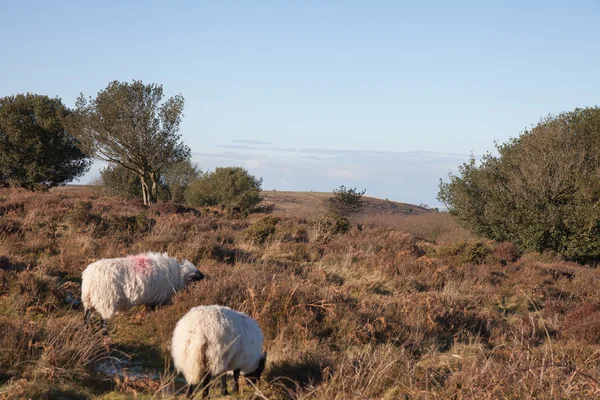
{"x":190,"y":391}
{"x":87,"y":316}
{"x":205,"y":385}
{"x":224,"y":385}
{"x":104,"y":327}
{"x":236,"y":377}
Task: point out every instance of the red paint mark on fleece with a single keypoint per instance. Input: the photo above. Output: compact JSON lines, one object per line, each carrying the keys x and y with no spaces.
{"x":141,"y":264}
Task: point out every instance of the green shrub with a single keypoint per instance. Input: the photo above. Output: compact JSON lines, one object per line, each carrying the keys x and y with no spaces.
{"x":119,"y":181}
{"x":233,"y":188}
{"x":329,"y":225}
{"x":178,"y":177}
{"x":261,"y":230}
{"x":467,"y":252}
{"x":346,"y":202}
{"x":541,"y":192}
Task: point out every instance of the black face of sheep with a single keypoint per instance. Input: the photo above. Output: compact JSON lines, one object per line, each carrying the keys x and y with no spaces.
{"x":254,"y":376}
{"x":196,"y":276}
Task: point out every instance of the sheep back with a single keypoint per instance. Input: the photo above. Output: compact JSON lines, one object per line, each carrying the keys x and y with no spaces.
{"x":113,"y":285}
{"x":215,"y":339}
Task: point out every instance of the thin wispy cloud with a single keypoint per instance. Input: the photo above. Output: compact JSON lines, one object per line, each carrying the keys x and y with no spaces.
{"x":411,"y":176}
{"x":250,"y":142}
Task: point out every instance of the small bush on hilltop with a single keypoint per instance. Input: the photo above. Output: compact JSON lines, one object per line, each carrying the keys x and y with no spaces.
{"x":346,"y":202}
{"x":541,"y":192}
{"x":233,"y":188}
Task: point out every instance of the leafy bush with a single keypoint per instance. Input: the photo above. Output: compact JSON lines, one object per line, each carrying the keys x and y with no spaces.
{"x":178,"y":177}
{"x":329,"y":225}
{"x":232,"y":188}
{"x":261,"y":230}
{"x":120,"y":181}
{"x":542,"y":190}
{"x":467,"y":252}
{"x":346,"y":202}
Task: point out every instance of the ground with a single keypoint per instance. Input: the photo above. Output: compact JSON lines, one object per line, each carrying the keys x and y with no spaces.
{"x":402,"y":305}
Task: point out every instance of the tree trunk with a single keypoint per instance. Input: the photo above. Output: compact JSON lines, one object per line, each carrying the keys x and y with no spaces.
{"x":145,"y":194}
{"x":154,"y":193}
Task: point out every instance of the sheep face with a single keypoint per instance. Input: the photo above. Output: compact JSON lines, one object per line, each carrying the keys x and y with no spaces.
{"x":190,"y":273}
{"x":254,"y":376}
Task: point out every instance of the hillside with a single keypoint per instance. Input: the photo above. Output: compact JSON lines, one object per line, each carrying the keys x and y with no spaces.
{"x":404,"y":307}
{"x":311,"y":204}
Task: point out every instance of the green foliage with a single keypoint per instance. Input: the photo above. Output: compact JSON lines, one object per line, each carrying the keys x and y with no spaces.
{"x":467,"y":252}
{"x":329,"y":225}
{"x":36,"y":150}
{"x":261,"y":230}
{"x":541,"y":192}
{"x":177,"y":178}
{"x":126,"y":124}
{"x":119,"y":181}
{"x":232,"y":188}
{"x":346,"y":202}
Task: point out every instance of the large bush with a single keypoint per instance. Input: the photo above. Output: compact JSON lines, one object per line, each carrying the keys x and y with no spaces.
{"x":541,"y":192}
{"x":231,"y":187}
{"x":119,"y":181}
{"x":177,"y":177}
{"x":36,"y":150}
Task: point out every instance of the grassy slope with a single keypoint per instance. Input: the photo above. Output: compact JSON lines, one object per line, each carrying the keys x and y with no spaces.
{"x":313,"y":204}
{"x":409,"y":305}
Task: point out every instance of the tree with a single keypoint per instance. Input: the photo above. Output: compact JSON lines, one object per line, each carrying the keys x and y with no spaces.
{"x":346,"y":202}
{"x":36,"y":150}
{"x":541,"y":191}
{"x":230,"y":187}
{"x":126,"y":124}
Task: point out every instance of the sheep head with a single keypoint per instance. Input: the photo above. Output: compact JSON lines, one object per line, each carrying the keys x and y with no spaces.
{"x":190,"y":273}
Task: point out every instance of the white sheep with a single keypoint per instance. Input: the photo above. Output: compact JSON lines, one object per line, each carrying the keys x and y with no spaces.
{"x":212,"y":340}
{"x":114,"y":285}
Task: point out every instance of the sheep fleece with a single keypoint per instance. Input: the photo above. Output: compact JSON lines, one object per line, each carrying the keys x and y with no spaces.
{"x":113,"y":285}
{"x":215,"y":339}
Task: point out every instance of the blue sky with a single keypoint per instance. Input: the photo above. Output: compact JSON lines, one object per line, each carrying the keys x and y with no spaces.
{"x":384,"y":95}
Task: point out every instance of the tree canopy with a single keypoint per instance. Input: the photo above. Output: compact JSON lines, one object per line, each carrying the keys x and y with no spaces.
{"x":126,"y":124}
{"x":36,"y":150}
{"x":542,"y":190}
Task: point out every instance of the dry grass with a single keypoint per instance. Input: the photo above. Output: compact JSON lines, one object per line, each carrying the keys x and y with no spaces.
{"x":405,"y":307}
{"x":314,"y":205}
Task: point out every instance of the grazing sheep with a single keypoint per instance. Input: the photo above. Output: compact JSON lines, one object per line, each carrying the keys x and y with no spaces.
{"x":211,"y":340}
{"x":114,"y":285}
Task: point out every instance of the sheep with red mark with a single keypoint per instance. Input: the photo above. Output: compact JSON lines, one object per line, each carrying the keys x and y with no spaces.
{"x":114,"y":285}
